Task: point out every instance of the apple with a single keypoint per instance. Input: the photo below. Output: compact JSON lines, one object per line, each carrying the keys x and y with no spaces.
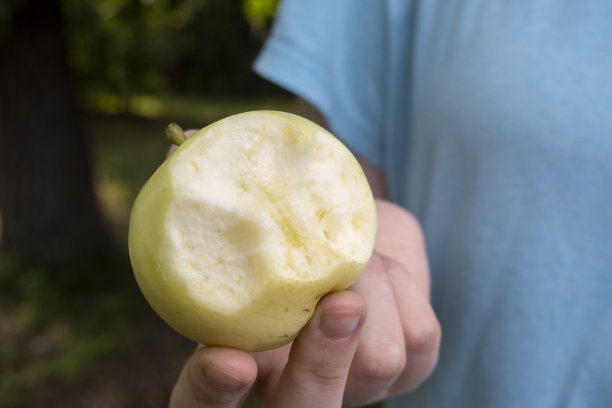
{"x":253,"y":219}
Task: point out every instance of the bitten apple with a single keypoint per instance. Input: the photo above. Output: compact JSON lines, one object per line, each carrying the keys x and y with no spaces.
{"x":240,"y":232}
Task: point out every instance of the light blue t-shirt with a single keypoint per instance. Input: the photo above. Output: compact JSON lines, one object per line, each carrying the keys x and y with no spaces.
{"x":492,"y":121}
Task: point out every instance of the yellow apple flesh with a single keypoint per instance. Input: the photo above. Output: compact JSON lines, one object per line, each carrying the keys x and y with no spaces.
{"x":252,"y":220}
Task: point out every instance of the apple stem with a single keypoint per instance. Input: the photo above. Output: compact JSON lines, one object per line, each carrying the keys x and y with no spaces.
{"x":175,"y":134}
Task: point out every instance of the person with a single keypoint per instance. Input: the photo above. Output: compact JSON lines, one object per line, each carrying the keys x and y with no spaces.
{"x":491,"y":123}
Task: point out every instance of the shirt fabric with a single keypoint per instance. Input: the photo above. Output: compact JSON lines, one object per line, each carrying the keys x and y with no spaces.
{"x":492,"y":121}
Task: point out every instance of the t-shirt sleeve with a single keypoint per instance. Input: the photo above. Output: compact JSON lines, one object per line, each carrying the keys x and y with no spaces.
{"x":332,"y":54}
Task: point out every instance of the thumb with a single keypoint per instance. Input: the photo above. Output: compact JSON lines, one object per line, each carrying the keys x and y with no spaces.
{"x":214,"y":377}
{"x":320,"y":358}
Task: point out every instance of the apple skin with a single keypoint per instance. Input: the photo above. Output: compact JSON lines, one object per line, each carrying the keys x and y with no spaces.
{"x":239,"y":233}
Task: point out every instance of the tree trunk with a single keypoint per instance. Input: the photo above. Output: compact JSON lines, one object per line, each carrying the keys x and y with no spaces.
{"x":48,"y":208}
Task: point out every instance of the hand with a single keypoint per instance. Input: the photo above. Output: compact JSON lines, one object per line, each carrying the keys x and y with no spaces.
{"x":309,"y":373}
{"x":340,"y":356}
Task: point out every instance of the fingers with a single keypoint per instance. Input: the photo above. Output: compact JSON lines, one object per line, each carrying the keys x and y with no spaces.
{"x":214,"y":377}
{"x":400,"y":237}
{"x":398,"y":345}
{"x":422,"y":332}
{"x":381,"y":355}
{"x":320,"y":358}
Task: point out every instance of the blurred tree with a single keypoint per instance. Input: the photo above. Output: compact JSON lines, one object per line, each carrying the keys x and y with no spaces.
{"x":217,"y":48}
{"x":47,"y":203}
{"x":195,"y":47}
{"x":259,"y":14}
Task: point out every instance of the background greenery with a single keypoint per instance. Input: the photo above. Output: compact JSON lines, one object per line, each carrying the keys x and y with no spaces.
{"x":77,"y":332}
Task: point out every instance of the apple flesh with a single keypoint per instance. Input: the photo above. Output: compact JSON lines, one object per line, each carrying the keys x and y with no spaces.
{"x":240,"y":232}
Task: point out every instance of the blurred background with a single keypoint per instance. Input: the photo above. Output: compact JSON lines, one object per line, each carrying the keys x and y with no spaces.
{"x":87,"y":88}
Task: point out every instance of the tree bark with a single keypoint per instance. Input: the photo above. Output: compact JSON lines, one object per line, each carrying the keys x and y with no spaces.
{"x":48,"y":208}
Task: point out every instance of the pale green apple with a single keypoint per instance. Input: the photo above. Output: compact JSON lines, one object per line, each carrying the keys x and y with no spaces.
{"x":241,"y":231}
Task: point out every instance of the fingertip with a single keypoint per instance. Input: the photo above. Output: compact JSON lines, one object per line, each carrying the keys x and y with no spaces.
{"x":214,"y":376}
{"x":339,"y":325}
{"x":344,"y":300}
{"x":321,"y":356}
{"x":340,"y":315}
{"x":224,"y":368}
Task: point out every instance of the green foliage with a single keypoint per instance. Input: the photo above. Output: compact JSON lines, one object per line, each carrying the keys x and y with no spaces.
{"x":65,"y":319}
{"x":259,"y":13}
{"x":196,"y":47}
{"x":74,"y":291}
{"x":168,"y":46}
{"x":124,"y":54}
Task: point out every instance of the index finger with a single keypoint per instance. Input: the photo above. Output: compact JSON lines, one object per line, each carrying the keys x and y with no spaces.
{"x":320,"y":358}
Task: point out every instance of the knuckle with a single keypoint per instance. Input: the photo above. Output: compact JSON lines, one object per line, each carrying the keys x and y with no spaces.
{"x":329,"y":375}
{"x":377,"y":366}
{"x":396,"y":214}
{"x":212,"y":393}
{"x":424,"y":336}
{"x":217,"y":402}
{"x":212,"y":398}
{"x":413,"y":222}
